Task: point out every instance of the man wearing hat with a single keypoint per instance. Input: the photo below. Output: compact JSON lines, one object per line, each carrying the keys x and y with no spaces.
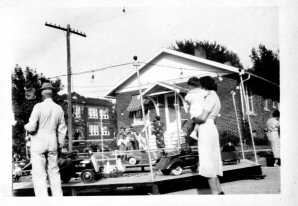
{"x":49,"y":130}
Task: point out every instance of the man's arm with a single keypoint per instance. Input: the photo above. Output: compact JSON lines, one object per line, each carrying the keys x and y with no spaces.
{"x":61,"y":130}
{"x":31,"y":126}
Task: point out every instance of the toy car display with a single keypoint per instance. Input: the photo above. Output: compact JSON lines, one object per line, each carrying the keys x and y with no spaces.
{"x":186,"y":158}
{"x":229,"y":154}
{"x":71,"y":165}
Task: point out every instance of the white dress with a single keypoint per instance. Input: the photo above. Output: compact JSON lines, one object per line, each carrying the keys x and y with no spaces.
{"x":210,"y":163}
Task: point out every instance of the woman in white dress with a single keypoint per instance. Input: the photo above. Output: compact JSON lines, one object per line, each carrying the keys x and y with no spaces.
{"x":209,"y":148}
{"x":273,"y":136}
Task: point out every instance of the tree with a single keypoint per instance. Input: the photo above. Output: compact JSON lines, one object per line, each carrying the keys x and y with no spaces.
{"x":265,"y":65}
{"x":24,"y":82}
{"x":213,"y":51}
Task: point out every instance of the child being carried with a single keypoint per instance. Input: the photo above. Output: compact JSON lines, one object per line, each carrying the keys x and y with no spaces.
{"x":195,"y":98}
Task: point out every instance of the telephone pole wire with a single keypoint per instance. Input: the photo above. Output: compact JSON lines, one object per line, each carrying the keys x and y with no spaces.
{"x":69,"y":109}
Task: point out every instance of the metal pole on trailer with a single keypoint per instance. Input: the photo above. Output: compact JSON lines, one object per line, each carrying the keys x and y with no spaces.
{"x":143,"y":113}
{"x":101,"y":133}
{"x":238,"y":126}
{"x":248,"y":118}
{"x":177,"y":117}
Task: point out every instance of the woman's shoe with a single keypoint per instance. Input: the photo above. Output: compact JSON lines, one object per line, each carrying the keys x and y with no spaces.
{"x":221,"y":193}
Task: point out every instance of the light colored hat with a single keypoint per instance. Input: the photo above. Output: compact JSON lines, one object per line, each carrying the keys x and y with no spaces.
{"x":47,"y":85}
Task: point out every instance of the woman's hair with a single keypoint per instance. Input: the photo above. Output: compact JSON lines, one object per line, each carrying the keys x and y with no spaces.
{"x":193,"y":81}
{"x":208,"y":83}
{"x":275,"y":113}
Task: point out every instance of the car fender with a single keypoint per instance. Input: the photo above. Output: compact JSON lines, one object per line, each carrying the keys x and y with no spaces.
{"x":173,"y":162}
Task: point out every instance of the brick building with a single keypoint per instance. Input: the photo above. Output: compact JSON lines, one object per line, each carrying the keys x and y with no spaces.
{"x":93,"y":119}
{"x":163,"y":82}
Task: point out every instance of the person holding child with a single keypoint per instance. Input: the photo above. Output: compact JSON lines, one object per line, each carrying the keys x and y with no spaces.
{"x":195,"y":98}
{"x":208,"y":143}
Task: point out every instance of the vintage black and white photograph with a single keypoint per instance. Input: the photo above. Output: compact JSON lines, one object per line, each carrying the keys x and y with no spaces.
{"x":155,"y":99}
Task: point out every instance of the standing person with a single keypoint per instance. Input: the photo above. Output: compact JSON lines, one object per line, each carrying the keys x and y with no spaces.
{"x":142,"y":141}
{"x":47,"y":123}
{"x":121,"y":134}
{"x":157,"y":130}
{"x":121,"y":143}
{"x":134,"y":137}
{"x":121,"y":139}
{"x":273,"y":136}
{"x":195,"y":97}
{"x":209,"y":149}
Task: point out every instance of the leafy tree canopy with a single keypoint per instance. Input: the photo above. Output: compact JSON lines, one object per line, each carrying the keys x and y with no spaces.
{"x":212,"y":50}
{"x":265,"y":65}
{"x":22,"y":80}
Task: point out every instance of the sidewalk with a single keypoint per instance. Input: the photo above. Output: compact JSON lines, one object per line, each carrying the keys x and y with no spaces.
{"x":269,"y":185}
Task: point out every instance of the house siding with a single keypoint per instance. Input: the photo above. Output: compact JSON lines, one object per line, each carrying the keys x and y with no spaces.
{"x":227,"y":121}
{"x":260,"y":116}
{"x":123,"y":116}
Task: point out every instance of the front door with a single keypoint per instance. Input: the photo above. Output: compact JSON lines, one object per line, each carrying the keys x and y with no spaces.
{"x":171,"y":114}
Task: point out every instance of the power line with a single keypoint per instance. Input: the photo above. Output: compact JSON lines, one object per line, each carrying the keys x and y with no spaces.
{"x":146,"y":63}
{"x":93,"y":70}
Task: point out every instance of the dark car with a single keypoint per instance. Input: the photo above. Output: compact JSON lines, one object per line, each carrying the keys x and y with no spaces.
{"x":229,"y":154}
{"x":186,"y":158}
{"x":83,"y":146}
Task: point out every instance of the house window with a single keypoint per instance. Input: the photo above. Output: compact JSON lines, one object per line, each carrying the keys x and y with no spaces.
{"x":250,"y":102}
{"x":105,"y":130}
{"x":138,"y":117}
{"x":77,"y":111}
{"x":274,"y":105}
{"x":266,"y":107}
{"x":92,"y":113}
{"x":93,"y":130}
{"x":250,"y":106}
{"x":105,"y":113}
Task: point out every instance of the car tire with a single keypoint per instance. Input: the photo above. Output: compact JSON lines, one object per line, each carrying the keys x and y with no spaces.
{"x":166,"y":171}
{"x":87,"y":176}
{"x":194,"y":168}
{"x":177,"y":170}
{"x":133,"y":161}
{"x":65,"y":178}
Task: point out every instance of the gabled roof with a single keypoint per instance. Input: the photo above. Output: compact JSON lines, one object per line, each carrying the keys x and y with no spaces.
{"x":178,"y":54}
{"x":172,"y":87}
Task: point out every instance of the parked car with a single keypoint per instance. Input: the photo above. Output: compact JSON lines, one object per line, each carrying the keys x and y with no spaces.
{"x":83,"y":146}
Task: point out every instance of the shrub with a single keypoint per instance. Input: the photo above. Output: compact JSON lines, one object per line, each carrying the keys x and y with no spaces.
{"x":227,"y":136}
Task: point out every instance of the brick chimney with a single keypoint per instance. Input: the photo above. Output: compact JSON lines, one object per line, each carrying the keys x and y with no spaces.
{"x":200,"y":52}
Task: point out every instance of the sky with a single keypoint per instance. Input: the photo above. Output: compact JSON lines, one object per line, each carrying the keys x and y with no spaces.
{"x":114,"y":37}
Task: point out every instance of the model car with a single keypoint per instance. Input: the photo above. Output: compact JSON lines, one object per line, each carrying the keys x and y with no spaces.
{"x":71,"y":165}
{"x":229,"y":154}
{"x":186,"y":158}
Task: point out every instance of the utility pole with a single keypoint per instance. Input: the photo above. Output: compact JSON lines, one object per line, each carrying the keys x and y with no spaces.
{"x":69,"y":109}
